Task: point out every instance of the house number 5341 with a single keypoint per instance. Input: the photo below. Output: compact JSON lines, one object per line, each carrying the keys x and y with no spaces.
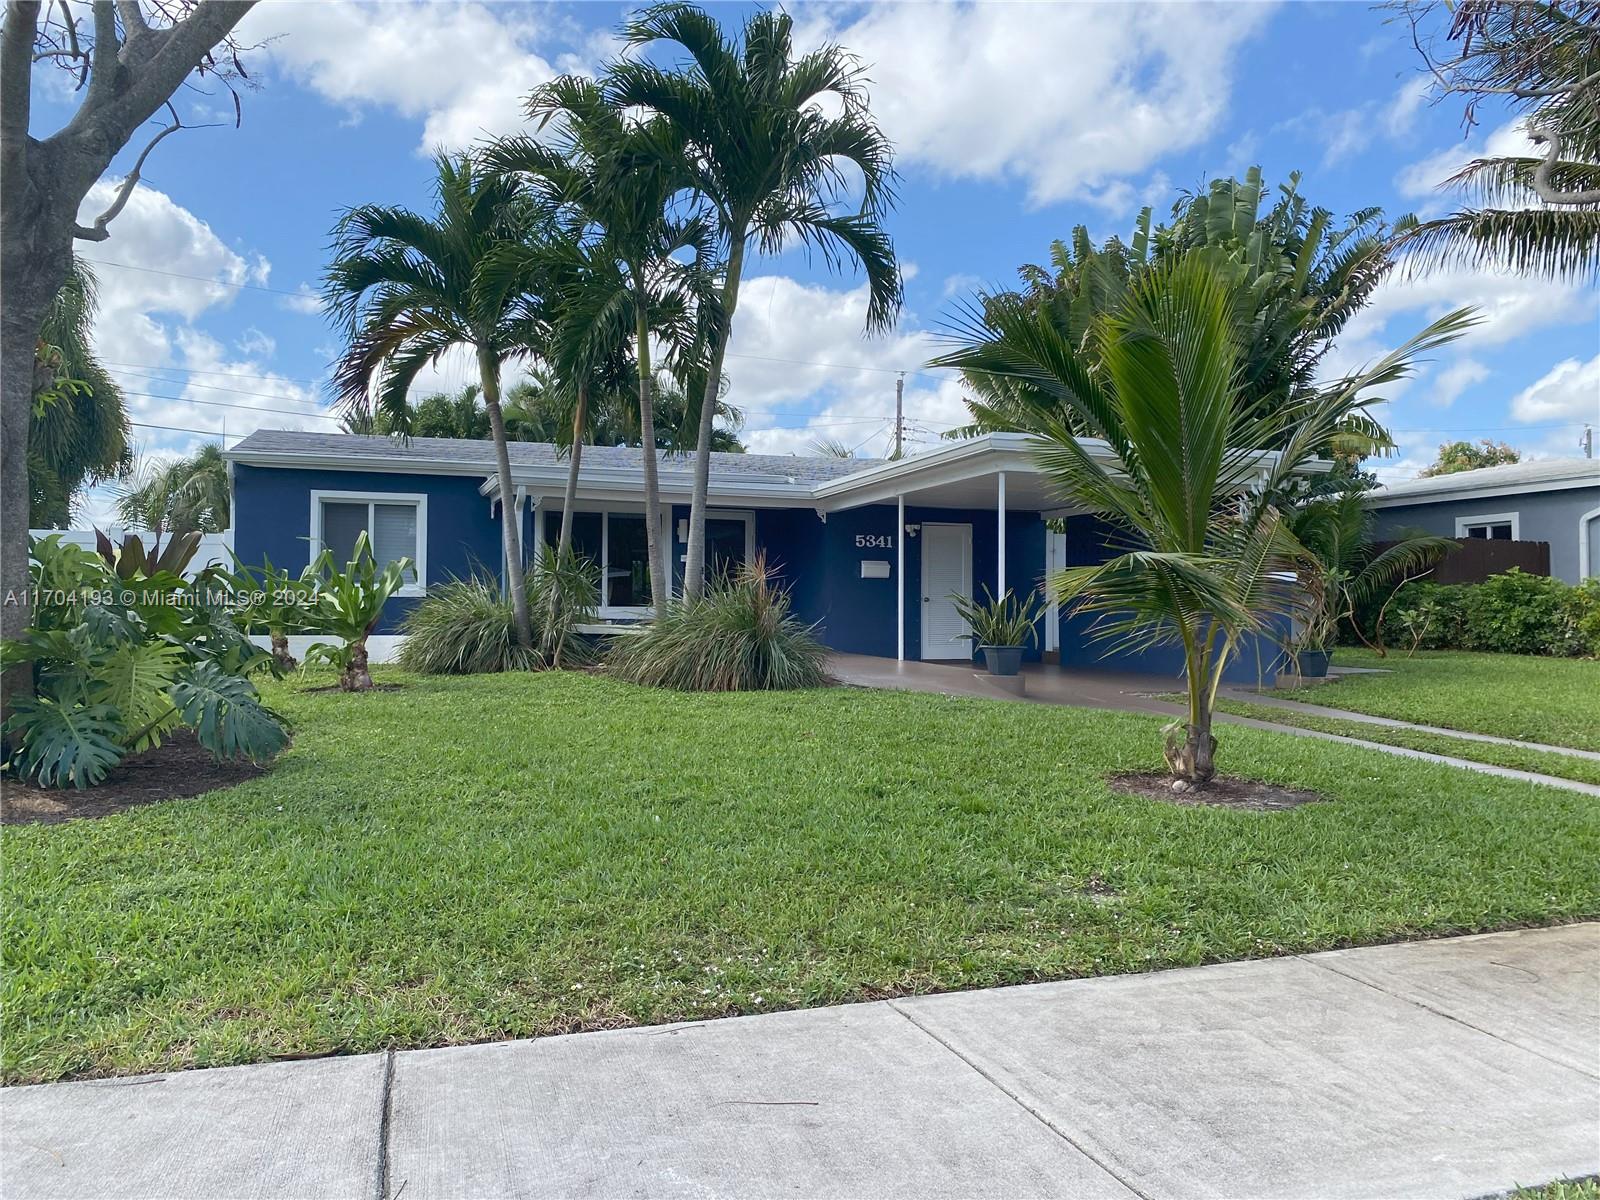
{"x":875,"y":541}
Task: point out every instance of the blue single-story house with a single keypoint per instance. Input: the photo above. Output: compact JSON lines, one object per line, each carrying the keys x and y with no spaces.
{"x":1554,"y":500}
{"x":870,"y":551}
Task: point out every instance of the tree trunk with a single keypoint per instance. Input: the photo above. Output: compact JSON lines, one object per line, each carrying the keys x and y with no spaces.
{"x":1190,"y":749}
{"x":280,"y":650}
{"x":42,"y":183}
{"x":694,"y":570}
{"x":580,"y":426}
{"x":510,"y":511}
{"x":660,"y":570}
{"x":356,"y":677}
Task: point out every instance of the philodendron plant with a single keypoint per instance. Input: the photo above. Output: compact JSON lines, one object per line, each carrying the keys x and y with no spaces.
{"x":348,"y":605}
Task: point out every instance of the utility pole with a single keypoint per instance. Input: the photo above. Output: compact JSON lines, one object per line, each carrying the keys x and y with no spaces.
{"x":899,"y":414}
{"x":1587,"y":441}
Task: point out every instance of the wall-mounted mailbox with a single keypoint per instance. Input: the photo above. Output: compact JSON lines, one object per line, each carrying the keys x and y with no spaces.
{"x":874,"y":568}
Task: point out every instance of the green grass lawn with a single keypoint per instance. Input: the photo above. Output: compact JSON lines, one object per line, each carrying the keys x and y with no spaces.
{"x":1546,"y":762}
{"x":1550,"y":700}
{"x":508,"y":856}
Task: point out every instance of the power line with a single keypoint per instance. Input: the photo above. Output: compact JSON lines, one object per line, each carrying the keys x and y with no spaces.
{"x":286,"y":412}
{"x":228,"y":283}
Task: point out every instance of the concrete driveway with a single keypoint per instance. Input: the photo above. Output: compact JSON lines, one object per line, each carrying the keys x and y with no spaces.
{"x":1446,"y":1068}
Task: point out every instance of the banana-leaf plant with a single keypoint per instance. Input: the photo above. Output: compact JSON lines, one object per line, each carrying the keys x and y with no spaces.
{"x":270,"y":598}
{"x":348,"y":606}
{"x":119,"y":661}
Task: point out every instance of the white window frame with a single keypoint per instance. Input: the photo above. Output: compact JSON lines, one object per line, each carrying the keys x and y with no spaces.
{"x":1586,"y":569}
{"x":747,"y":515}
{"x":1512,"y":519}
{"x":611,"y":611}
{"x":418,"y":500}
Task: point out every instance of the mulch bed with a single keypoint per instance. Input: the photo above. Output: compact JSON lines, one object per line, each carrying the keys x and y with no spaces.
{"x":1224,"y":791}
{"x":178,"y":767}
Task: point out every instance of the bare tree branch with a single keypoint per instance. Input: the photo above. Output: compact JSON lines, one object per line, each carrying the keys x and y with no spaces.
{"x":1547,"y":191}
{"x":133,"y":22}
{"x":103,"y":78}
{"x":98,"y":232}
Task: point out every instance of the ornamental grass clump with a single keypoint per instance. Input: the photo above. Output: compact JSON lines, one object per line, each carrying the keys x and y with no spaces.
{"x":739,"y":637}
{"x":469,"y":626}
{"x":464,"y":627}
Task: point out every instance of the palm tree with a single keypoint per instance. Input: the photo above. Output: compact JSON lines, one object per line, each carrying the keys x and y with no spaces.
{"x":1535,"y":214}
{"x":751,"y":127}
{"x":407,"y":288}
{"x":188,"y":495}
{"x":1184,"y":475}
{"x":79,"y":429}
{"x":609,"y":183}
{"x":1346,"y":571}
{"x":1301,"y":275}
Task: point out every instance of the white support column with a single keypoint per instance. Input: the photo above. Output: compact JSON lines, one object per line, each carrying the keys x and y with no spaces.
{"x":900,"y":578}
{"x":1000,"y":518}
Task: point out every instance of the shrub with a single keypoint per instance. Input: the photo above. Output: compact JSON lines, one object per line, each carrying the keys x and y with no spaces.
{"x":467,"y":627}
{"x":738,"y":637}
{"x":1511,"y":613}
{"x":124,"y":652}
{"x":464,"y":627}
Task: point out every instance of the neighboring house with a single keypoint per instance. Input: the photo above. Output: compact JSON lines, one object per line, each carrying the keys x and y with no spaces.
{"x":871,"y":552}
{"x":1551,"y":500}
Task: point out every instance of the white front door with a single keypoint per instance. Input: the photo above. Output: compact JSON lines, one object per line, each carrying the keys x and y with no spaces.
{"x":946,"y":572}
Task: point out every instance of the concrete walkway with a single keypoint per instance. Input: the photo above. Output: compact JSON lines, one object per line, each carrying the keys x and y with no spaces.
{"x":1126,"y":692}
{"x":1451,"y":1068}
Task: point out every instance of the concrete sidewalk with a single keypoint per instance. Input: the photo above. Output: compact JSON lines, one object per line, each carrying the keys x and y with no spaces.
{"x":1432,"y":1069}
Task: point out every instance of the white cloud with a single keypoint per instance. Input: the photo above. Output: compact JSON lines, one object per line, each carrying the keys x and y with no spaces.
{"x":982,"y":91}
{"x":305,"y":301}
{"x":462,"y":68}
{"x":801,"y":367}
{"x":254,"y":342}
{"x":158,"y":244}
{"x":1455,"y":379}
{"x":1426,"y":178}
{"x":1401,"y":114}
{"x":1570,"y":390}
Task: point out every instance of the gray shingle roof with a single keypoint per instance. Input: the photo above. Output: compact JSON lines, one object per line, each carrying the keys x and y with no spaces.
{"x":472,"y":452}
{"x":1512,"y":475}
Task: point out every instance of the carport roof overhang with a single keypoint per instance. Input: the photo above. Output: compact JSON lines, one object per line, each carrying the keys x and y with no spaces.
{"x":966,"y":475}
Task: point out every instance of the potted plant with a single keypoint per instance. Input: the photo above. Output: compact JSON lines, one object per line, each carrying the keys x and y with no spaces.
{"x":1000,"y":628}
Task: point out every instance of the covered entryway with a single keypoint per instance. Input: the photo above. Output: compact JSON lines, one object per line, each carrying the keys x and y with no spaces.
{"x":946,"y":574}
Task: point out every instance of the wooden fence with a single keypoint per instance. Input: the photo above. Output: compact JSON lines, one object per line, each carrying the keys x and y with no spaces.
{"x":1476,"y":559}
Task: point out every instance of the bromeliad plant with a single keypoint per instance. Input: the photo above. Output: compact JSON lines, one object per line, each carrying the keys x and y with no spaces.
{"x":268,"y":597}
{"x":348,"y":605}
{"x":1151,"y":424}
{"x":120,"y":658}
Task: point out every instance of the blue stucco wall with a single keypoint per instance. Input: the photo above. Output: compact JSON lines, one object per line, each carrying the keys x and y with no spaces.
{"x":1089,"y":541}
{"x":857,"y":616}
{"x":272,"y":517}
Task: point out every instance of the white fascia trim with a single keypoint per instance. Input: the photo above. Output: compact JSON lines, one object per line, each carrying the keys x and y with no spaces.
{"x":1480,"y":492}
{"x":336,"y":462}
{"x":420,"y":499}
{"x":961,"y":461}
{"x":1512,"y":519}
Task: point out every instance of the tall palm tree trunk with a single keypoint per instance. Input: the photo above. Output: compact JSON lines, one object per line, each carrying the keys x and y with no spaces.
{"x":580,"y":425}
{"x":660,"y":572}
{"x":489,"y":376}
{"x":694,"y":570}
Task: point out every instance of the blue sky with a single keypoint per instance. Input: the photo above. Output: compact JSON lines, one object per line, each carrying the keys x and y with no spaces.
{"x":1013,"y":123}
